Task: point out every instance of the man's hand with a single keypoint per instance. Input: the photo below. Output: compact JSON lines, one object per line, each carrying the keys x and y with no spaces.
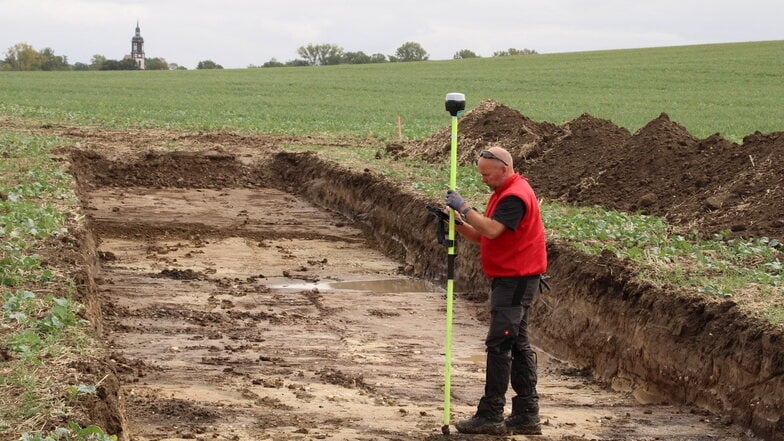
{"x":454,"y":200}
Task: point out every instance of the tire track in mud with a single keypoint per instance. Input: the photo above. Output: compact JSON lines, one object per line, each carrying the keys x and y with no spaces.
{"x":231,"y":317}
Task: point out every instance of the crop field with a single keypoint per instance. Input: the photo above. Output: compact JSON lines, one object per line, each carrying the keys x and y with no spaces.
{"x":732,"y":89}
{"x":244,"y":254}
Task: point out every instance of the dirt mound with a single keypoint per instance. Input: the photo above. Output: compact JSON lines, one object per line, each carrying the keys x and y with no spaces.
{"x":647,"y":172}
{"x":572,"y":162}
{"x":178,"y":274}
{"x":490,"y":123}
{"x":710,"y":185}
{"x":751,"y":199}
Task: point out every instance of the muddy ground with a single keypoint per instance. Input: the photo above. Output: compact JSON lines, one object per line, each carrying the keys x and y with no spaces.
{"x":278,"y":321}
{"x":249,"y":293}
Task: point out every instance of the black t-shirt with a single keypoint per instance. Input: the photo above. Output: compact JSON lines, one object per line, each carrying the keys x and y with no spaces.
{"x":509,"y":211}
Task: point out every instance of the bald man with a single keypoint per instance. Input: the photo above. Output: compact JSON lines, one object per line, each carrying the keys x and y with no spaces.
{"x":513,"y":254}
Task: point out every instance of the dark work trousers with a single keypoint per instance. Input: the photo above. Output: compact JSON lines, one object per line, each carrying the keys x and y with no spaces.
{"x":509,"y":353}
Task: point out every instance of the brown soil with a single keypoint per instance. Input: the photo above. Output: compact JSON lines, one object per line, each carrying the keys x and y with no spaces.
{"x":224,"y":293}
{"x":489,"y":123}
{"x":708,"y":185}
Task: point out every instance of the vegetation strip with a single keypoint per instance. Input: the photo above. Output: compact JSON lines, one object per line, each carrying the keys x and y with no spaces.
{"x":41,"y":329}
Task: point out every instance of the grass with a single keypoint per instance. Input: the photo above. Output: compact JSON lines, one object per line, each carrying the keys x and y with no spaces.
{"x":40,"y":327}
{"x":734,"y":89}
{"x":36,"y":194}
{"x":749,"y":271}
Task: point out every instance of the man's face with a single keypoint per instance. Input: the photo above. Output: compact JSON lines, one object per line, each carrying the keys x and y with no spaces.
{"x":493,"y":172}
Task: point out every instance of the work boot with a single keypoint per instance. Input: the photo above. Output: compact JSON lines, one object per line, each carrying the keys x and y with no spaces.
{"x":483,"y":425}
{"x":523,"y":424}
{"x":524,"y":419}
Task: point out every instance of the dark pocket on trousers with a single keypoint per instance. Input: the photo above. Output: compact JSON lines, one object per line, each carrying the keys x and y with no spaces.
{"x":504,"y":324}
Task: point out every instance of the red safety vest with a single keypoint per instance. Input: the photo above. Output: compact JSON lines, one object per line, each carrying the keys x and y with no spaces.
{"x":521,"y":252}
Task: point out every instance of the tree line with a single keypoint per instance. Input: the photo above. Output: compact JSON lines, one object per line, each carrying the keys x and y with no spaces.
{"x":24,"y":57}
{"x":331,"y":54}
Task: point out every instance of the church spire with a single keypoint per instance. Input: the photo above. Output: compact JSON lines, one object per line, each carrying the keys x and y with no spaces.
{"x":137,"y":47}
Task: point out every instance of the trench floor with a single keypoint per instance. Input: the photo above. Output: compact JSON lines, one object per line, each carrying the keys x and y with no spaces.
{"x":249,"y":314}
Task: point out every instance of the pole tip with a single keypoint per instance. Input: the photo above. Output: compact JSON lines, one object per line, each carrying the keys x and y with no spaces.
{"x":445,"y":429}
{"x":455,"y":103}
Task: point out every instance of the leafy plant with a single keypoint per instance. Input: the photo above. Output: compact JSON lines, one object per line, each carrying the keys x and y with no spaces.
{"x":16,"y":268}
{"x":74,"y":432}
{"x":26,"y":220}
{"x":18,"y":305}
{"x":715,"y":266}
{"x":35,"y":334}
{"x":61,"y":315}
{"x":27,"y":343}
{"x":714,"y":290}
{"x":81,"y":389}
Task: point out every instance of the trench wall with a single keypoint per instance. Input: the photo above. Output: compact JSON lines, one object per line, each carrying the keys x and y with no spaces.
{"x":660,"y":345}
{"x":104,"y":408}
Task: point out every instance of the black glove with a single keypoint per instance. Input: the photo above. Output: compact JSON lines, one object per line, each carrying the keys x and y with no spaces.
{"x":441,"y":215}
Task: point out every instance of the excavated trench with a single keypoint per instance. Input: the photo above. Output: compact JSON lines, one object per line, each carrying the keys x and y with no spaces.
{"x":262,"y":295}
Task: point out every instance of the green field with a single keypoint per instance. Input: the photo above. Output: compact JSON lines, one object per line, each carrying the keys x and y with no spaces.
{"x":733,"y":89}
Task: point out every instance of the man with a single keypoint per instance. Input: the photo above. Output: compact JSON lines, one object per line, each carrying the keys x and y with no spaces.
{"x":513,"y":254}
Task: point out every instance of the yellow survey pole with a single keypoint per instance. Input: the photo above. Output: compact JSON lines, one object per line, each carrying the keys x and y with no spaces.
{"x":455,"y":104}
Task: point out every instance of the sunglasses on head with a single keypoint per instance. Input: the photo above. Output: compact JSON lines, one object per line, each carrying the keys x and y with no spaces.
{"x":489,"y":155}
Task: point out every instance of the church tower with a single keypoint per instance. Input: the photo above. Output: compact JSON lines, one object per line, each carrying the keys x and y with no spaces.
{"x":137,"y":47}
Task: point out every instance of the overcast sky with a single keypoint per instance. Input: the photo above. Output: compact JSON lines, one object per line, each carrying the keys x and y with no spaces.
{"x":238,"y":33}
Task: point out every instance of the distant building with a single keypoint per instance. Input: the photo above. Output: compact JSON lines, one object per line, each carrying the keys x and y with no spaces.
{"x":137,"y":48}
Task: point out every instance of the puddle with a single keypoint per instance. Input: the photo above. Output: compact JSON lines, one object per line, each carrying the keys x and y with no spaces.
{"x":378,"y":286}
{"x":479,"y":360}
{"x":387,"y":285}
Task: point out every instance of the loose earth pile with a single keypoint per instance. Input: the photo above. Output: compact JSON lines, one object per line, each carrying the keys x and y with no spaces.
{"x":708,"y":184}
